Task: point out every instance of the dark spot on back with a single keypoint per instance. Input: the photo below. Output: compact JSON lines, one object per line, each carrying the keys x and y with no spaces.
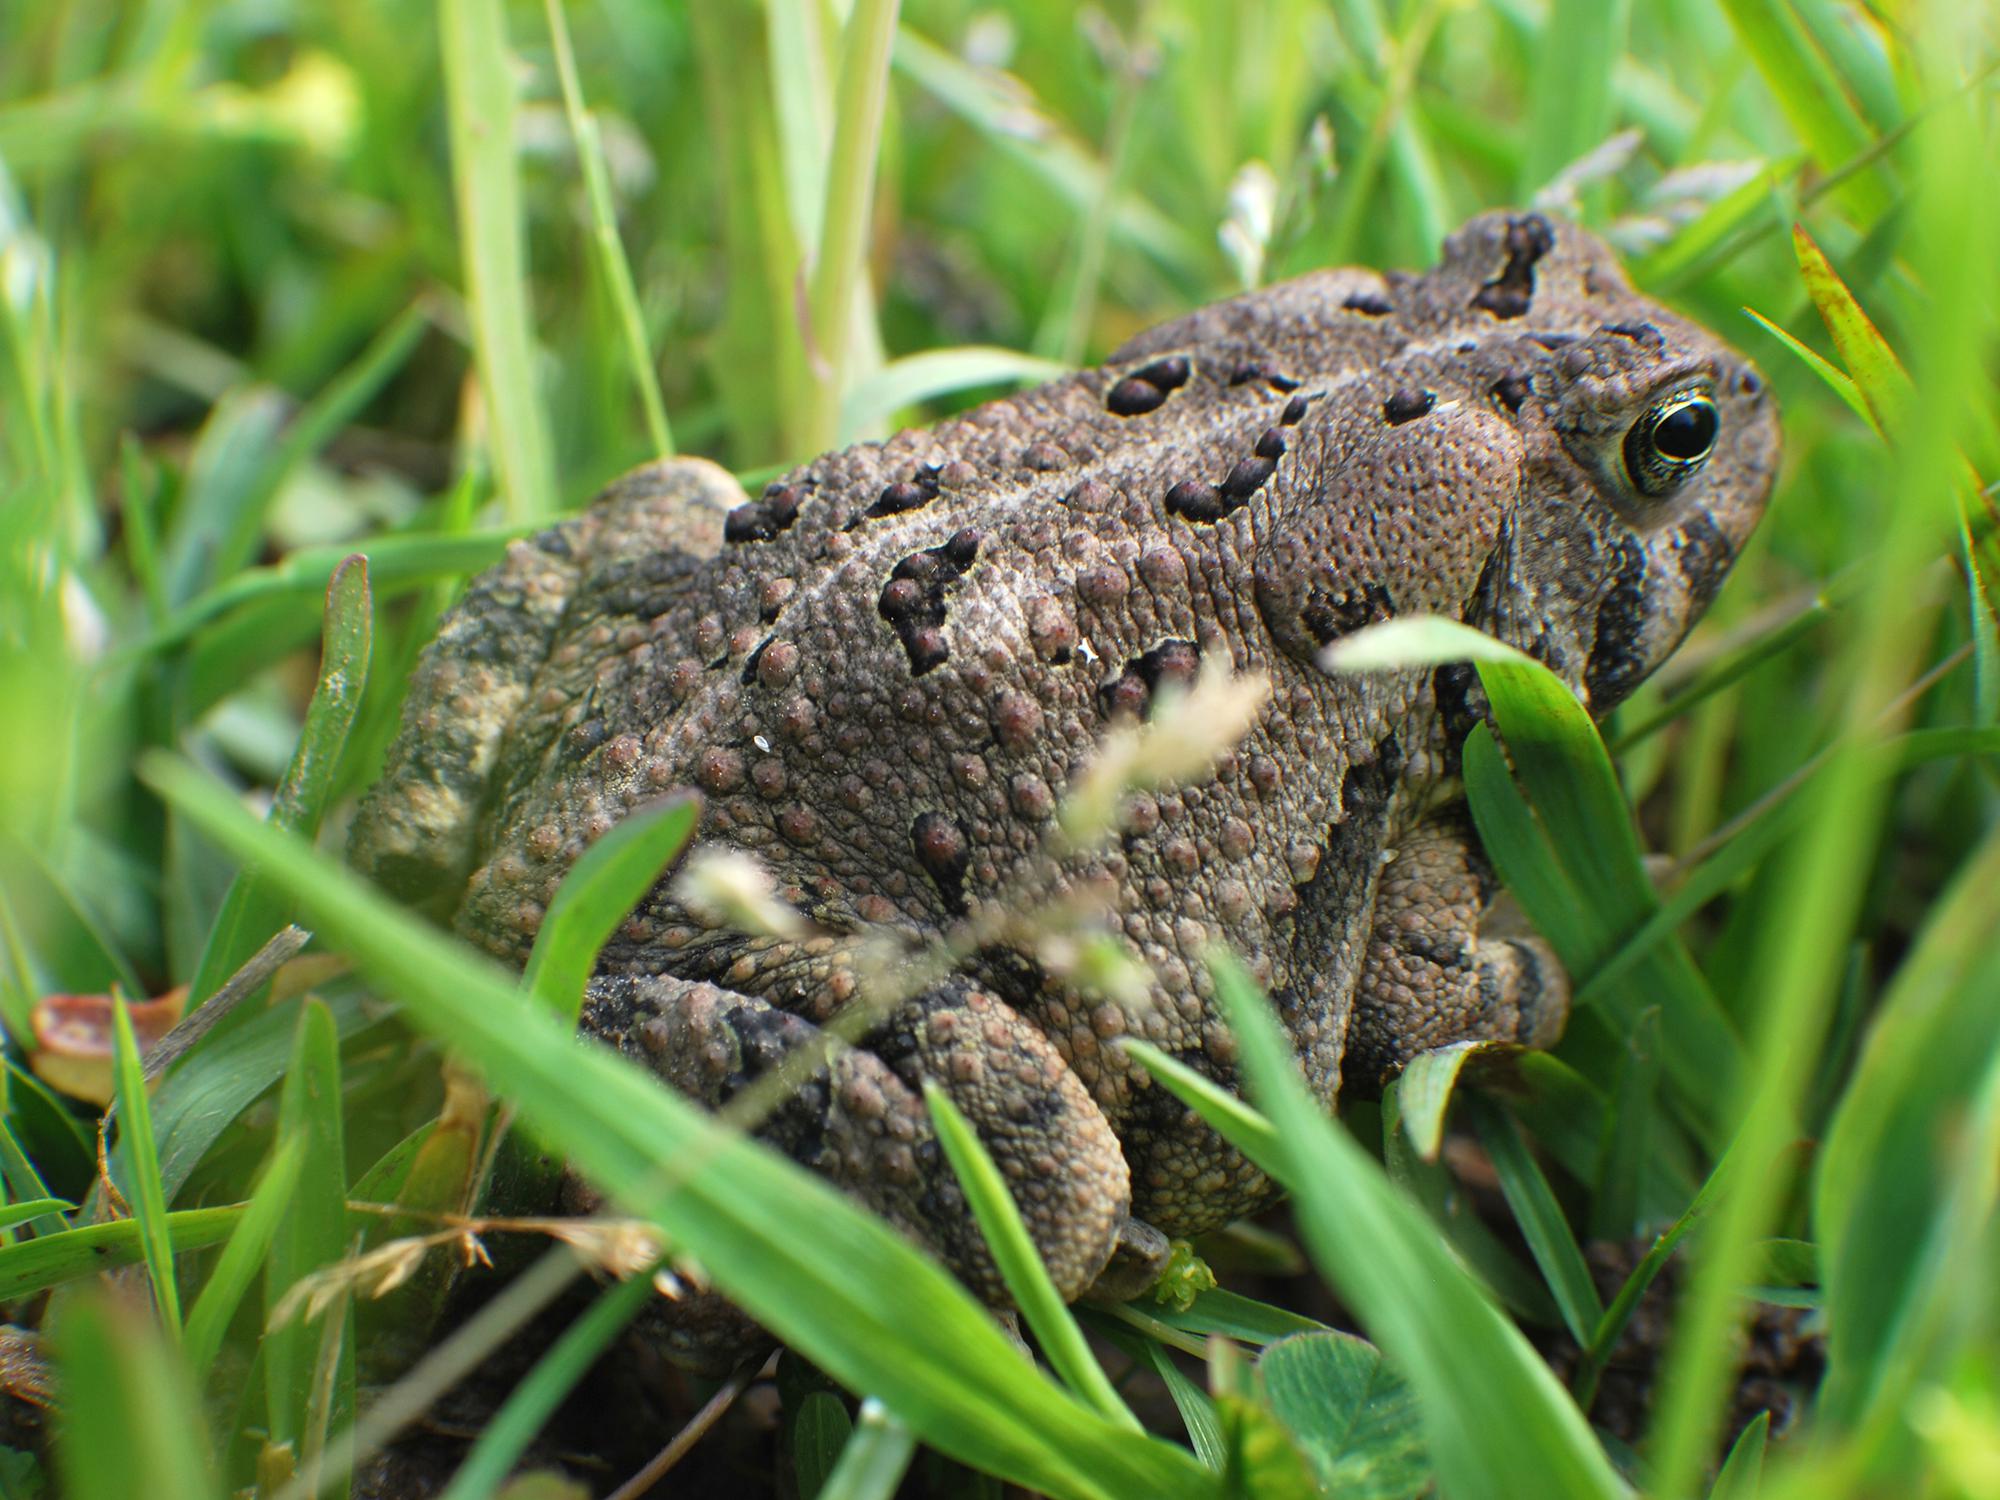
{"x":1369,"y":304}
{"x":912,"y":601}
{"x":763,"y":519}
{"x":1133,"y":397}
{"x":1407,"y":405}
{"x":1255,"y":370}
{"x":1197,"y":500}
{"x":1131,"y":691}
{"x":1508,"y":295}
{"x":1511,"y":390}
{"x":1168,"y":374}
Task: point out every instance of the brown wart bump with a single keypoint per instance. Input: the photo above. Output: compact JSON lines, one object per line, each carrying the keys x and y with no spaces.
{"x":1512,"y":291}
{"x":1133,"y":397}
{"x":1197,"y":500}
{"x":1407,"y":405}
{"x":943,"y":851}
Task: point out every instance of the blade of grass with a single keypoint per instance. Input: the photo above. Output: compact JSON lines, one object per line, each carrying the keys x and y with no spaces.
{"x":1741,"y":1475}
{"x":1496,"y":1423}
{"x":33,"y":1208}
{"x":52,"y":1259}
{"x":860,"y":101}
{"x":825,"y":1277}
{"x":1810,"y":94}
{"x":1872,"y":366}
{"x":242,"y":1255}
{"x":996,"y":109}
{"x":485,"y":171}
{"x":1570,"y":853}
{"x":875,"y":1459}
{"x":1541,"y":1220}
{"x":529,"y":1407}
{"x":934,"y":373}
{"x":1904,"y":1185}
{"x":396,"y":564}
{"x":1953,"y":241}
{"x":611,"y":262}
{"x":598,"y":893}
{"x":131,"y":1424}
{"x":24,"y":1178}
{"x":142,"y":1159}
{"x":251,"y":911}
{"x":314,"y":1233}
{"x":1836,"y":380}
{"x":1020,"y":1264}
{"x":1570,"y":109}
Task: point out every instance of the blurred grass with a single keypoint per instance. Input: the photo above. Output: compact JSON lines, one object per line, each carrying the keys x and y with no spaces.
{"x":282,"y":283}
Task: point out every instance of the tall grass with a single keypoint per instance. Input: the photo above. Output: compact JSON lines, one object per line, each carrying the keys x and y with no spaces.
{"x":280,"y":286}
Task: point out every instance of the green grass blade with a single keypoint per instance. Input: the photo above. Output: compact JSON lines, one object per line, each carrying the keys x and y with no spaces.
{"x":1742,"y":1473}
{"x":1876,"y":372}
{"x":597,"y":894}
{"x":1229,"y":1314}
{"x":1570,"y":112}
{"x":142,"y":1160}
{"x":242,"y":1256}
{"x":1542,"y":1223}
{"x":1809,"y":93}
{"x":200,"y":1097}
{"x":1496,"y":1423}
{"x":611,"y":262}
{"x":52,"y":1259}
{"x":1019,"y":1263}
{"x":1836,"y":380}
{"x":819,"y":1430}
{"x":994,"y":109}
{"x":861,"y":99}
{"x":1190,"y":1400}
{"x":530,"y":1404}
{"x":131,"y":1423}
{"x":825,"y":1277}
{"x":251,"y":912}
{"x":24,"y":1180}
{"x":934,"y":373}
{"x":485,"y":170}
{"x":1570,"y":851}
{"x":875,"y":1459}
{"x":314,"y":1233}
{"x":1423,"y":1093}
{"x":1904,"y":1193}
{"x":396,"y":564}
{"x":1199,"y":1091}
{"x":14,"y":1214}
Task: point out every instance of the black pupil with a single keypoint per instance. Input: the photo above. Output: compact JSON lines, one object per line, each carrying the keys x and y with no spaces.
{"x":1687,"y":432}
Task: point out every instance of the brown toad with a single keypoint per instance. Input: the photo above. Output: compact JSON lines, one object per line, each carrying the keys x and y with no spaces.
{"x":883,"y":674}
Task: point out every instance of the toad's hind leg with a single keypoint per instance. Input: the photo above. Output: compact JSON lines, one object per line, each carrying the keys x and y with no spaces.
{"x":1430,"y":977}
{"x":416,"y":832}
{"x":856,"y":1114}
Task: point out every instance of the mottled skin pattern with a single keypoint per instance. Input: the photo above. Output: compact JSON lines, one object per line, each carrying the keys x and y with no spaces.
{"x":883,"y":673}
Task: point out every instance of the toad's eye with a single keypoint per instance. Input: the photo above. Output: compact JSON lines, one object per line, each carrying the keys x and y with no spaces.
{"x":1671,"y":441}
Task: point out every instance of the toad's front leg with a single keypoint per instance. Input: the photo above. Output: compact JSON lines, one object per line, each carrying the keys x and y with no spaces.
{"x":1430,"y":978}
